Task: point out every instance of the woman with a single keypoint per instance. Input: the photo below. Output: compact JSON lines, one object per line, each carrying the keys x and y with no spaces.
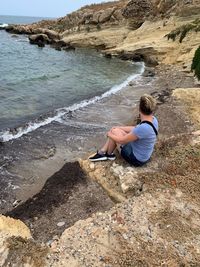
{"x":135,"y":144}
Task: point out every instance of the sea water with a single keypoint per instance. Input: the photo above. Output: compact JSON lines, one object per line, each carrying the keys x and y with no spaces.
{"x":38,"y":85}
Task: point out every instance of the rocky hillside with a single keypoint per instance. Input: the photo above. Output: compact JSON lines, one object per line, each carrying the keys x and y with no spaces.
{"x":123,"y":12}
{"x":133,"y":30}
{"x":133,"y":12}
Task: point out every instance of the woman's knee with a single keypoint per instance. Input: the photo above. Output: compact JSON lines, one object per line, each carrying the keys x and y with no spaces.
{"x":118,"y":131}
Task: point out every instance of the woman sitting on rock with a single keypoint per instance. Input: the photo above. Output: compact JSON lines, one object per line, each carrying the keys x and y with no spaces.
{"x":135,"y":144}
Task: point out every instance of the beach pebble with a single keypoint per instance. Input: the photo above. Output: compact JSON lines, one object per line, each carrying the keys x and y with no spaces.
{"x":125,"y":236}
{"x":60,"y":224}
{"x":92,"y":166}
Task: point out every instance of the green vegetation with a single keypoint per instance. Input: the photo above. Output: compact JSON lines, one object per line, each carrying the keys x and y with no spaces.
{"x":196,"y":63}
{"x":182,"y":31}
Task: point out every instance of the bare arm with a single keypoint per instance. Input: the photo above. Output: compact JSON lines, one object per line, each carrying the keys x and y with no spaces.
{"x":126,"y":129}
{"x":122,"y":139}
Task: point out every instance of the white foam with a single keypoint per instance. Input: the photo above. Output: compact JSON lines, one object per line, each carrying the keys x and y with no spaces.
{"x":4,"y":25}
{"x":31,"y":126}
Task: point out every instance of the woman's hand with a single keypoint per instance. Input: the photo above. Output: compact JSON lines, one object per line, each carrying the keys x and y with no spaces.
{"x":109,"y":133}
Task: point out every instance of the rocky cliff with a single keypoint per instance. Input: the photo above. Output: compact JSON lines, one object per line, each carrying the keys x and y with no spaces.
{"x":134,"y":30}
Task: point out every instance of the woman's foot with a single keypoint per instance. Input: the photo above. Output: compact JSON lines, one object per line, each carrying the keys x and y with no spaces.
{"x":99,"y":156}
{"x":111,"y":156}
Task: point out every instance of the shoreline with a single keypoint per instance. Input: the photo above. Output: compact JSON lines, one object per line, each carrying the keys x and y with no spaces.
{"x":17,"y":132}
{"x":146,"y":216}
{"x":147,"y":200}
{"x":47,"y":165}
{"x":32,"y":158}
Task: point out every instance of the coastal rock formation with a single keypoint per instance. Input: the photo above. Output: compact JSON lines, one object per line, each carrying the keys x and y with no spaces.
{"x":156,"y":221}
{"x":122,"y":28}
{"x":19,"y":29}
{"x":137,"y":11}
{"x":10,"y":231}
{"x":39,"y":39}
{"x":10,"y":227}
{"x":53,"y":35}
{"x":105,"y":16}
{"x":144,"y":231}
{"x":61,"y":45}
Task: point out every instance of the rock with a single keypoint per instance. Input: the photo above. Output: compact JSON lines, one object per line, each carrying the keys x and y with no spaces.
{"x":117,"y":14}
{"x":118,"y":170}
{"x":14,"y":36}
{"x":106,"y":15}
{"x":107,"y":55}
{"x":125,"y":236}
{"x":16,"y":202}
{"x":150,"y":61}
{"x":12,"y":231}
{"x":62,"y":45}
{"x":131,"y":83}
{"x":137,"y":9}
{"x":95,"y":18}
{"x":60,"y":224}
{"x":68,"y":47}
{"x":148,"y":73}
{"x":131,"y":56}
{"x":92,"y":166}
{"x":39,"y":39}
{"x":13,"y":227}
{"x":51,"y":34}
{"x":19,"y":29}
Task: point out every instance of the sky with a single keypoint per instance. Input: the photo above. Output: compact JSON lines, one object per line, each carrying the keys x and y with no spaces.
{"x":42,"y":8}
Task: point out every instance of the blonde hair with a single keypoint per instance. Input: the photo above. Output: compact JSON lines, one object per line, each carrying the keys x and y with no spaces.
{"x":147,"y":104}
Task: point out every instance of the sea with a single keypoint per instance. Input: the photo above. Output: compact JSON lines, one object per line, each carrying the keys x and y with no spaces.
{"x":42,"y":82}
{"x":56,"y":107}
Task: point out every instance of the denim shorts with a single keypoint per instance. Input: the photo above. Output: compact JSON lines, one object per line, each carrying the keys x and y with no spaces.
{"x":127,"y":154}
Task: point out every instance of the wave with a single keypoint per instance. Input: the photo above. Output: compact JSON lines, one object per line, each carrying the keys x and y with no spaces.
{"x":10,"y":134}
{"x":3,"y":25}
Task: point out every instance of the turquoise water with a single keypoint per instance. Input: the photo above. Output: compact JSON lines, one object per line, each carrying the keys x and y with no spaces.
{"x":37,"y":81}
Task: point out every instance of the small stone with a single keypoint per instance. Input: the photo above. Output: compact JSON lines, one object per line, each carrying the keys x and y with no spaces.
{"x":16,"y":202}
{"x":48,"y":243}
{"x":125,"y":236}
{"x":92,"y":166}
{"x":60,"y":224}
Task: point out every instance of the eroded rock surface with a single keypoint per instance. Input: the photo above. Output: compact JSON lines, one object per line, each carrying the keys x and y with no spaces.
{"x":17,"y":248}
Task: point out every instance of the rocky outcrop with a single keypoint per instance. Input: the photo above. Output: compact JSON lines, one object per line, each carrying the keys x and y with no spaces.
{"x":150,"y":230}
{"x":53,"y":35}
{"x":106,"y":15}
{"x":147,"y":55}
{"x":39,"y":39}
{"x":62,"y":45}
{"x":137,"y":9}
{"x":16,"y":246}
{"x":19,"y":29}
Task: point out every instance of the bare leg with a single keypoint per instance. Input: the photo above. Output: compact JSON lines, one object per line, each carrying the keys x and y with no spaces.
{"x":110,"y":144}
